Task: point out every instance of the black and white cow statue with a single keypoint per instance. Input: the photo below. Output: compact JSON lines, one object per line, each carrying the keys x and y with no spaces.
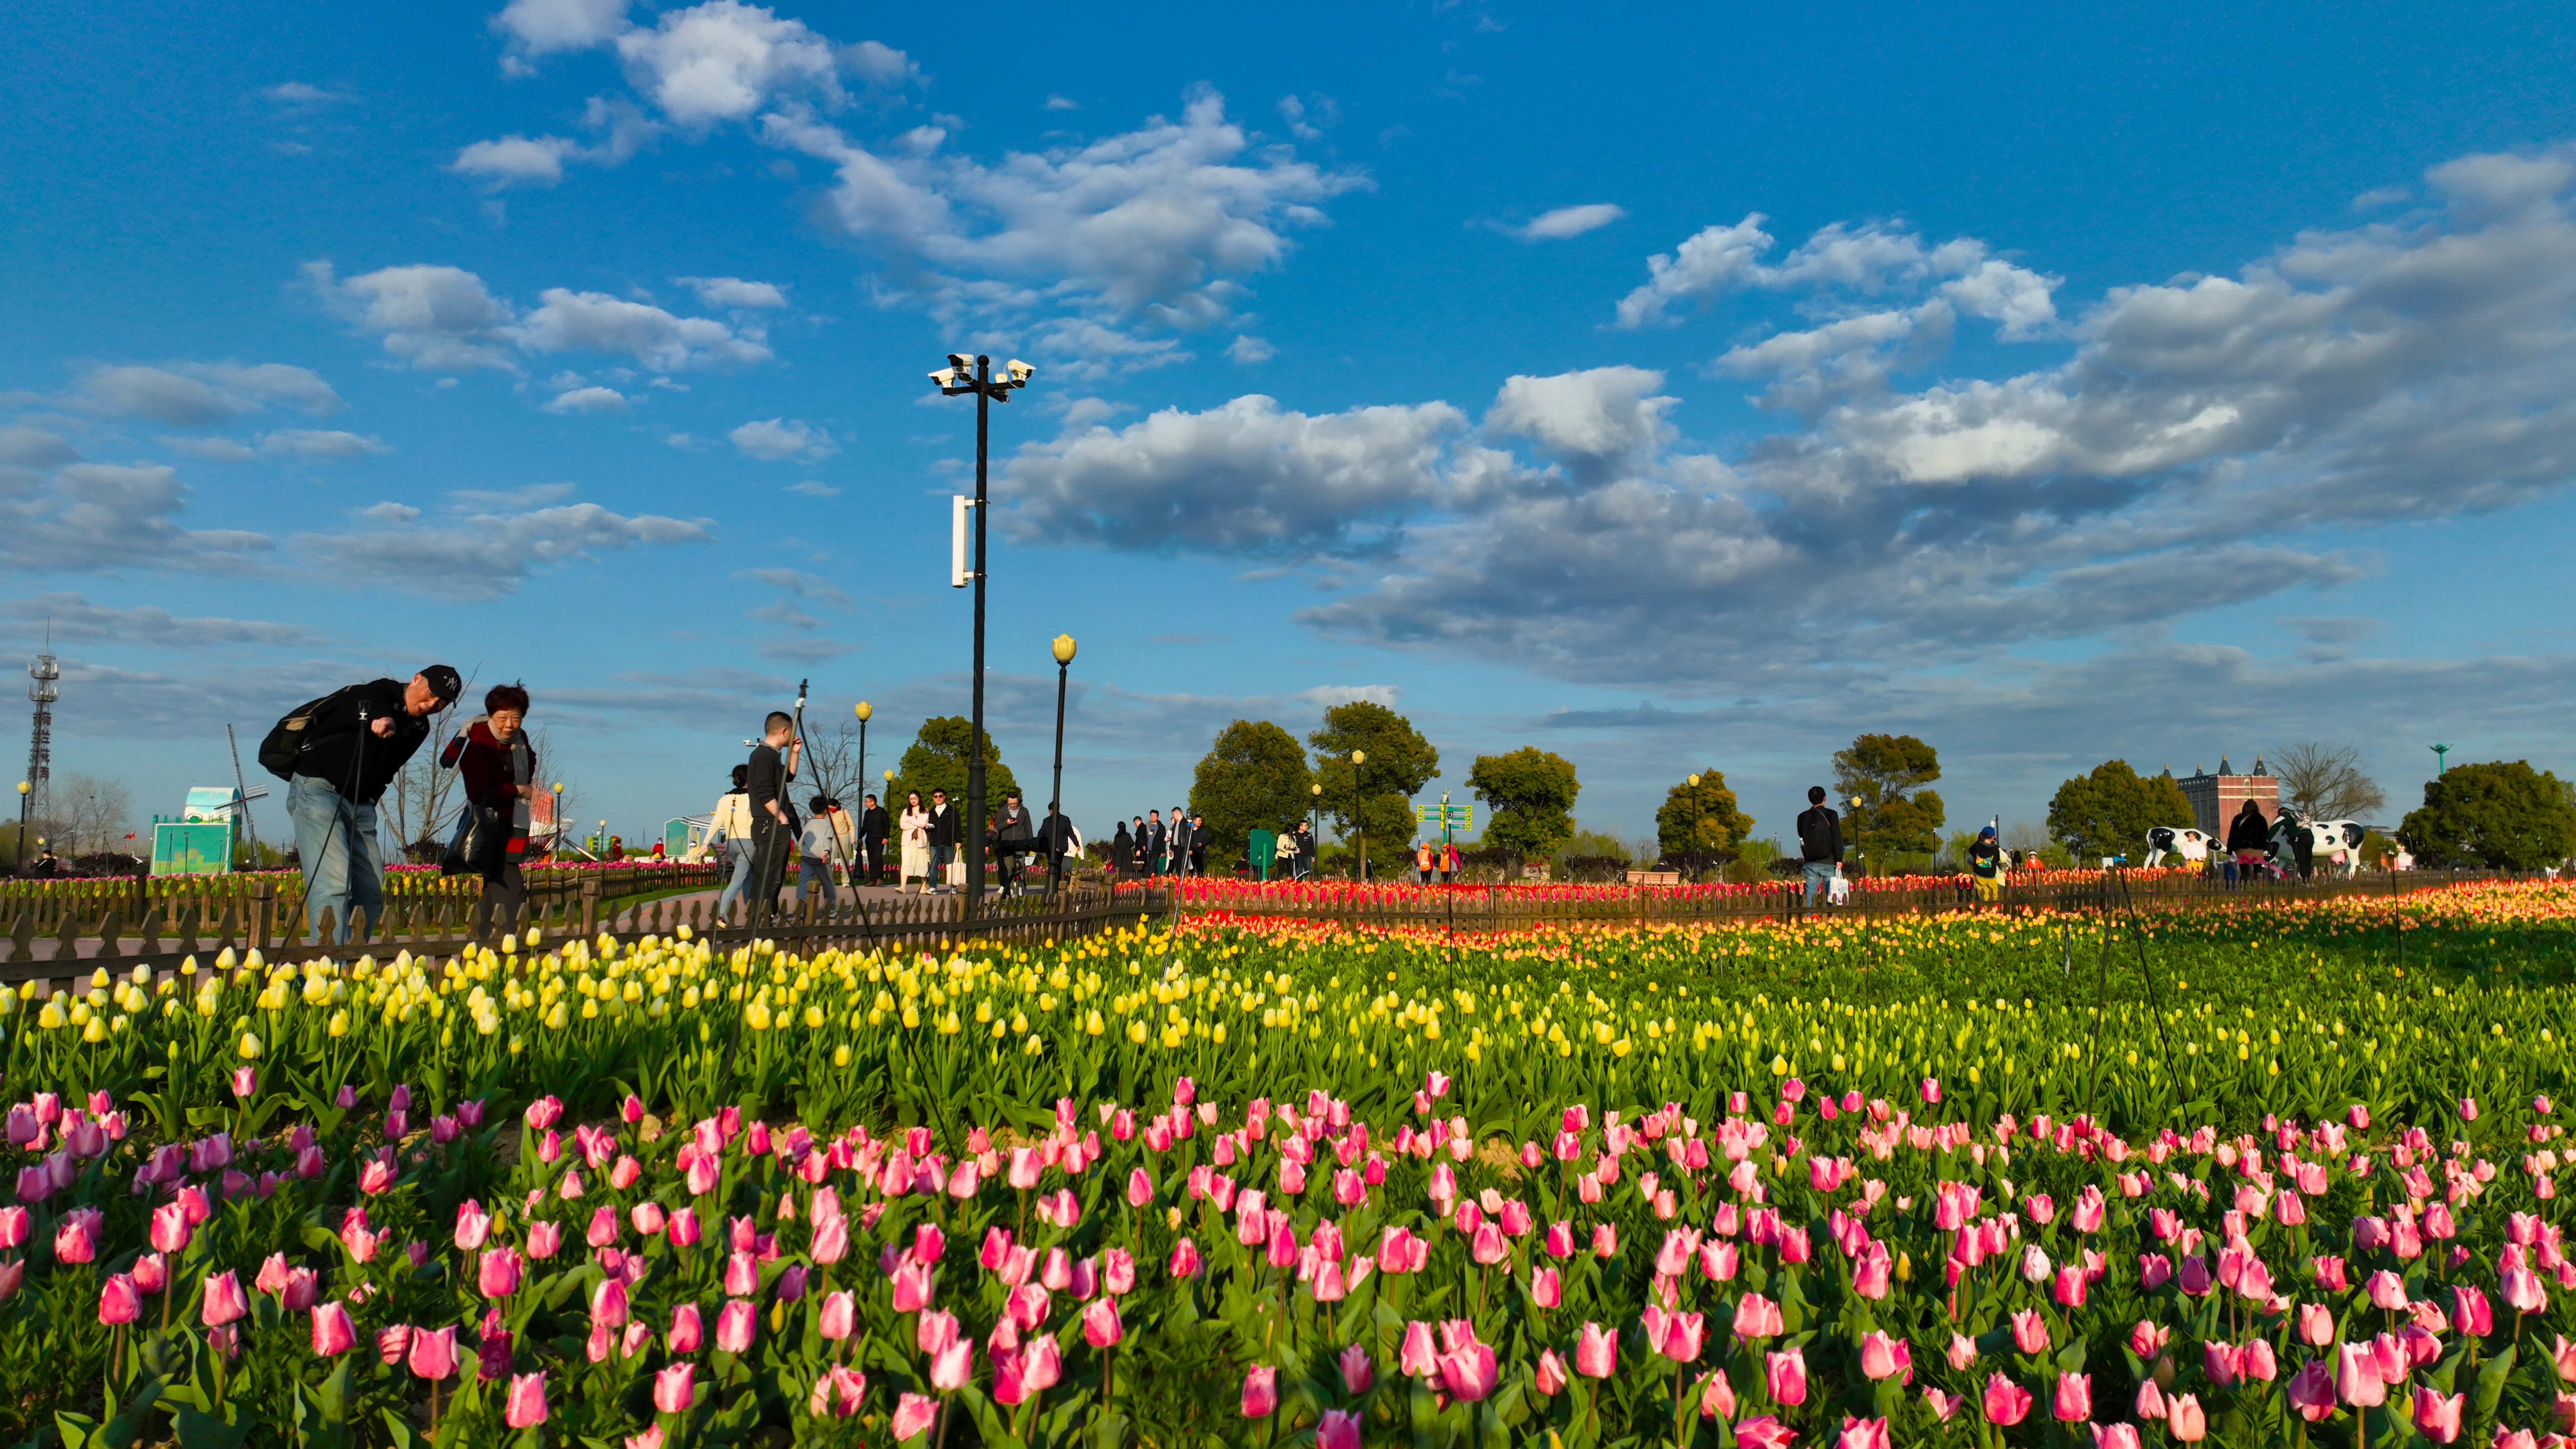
{"x":2331,"y":843}
{"x":2180,"y":841}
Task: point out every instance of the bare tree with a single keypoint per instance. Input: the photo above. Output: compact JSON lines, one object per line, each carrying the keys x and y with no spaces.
{"x":92,"y":815}
{"x":2325,"y":782}
{"x":831,"y":763}
{"x":416,"y":804}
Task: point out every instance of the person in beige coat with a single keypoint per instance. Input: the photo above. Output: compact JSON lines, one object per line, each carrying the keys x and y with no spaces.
{"x":914,"y":828}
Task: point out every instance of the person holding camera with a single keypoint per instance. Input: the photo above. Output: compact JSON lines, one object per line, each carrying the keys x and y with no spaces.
{"x":348,"y":747}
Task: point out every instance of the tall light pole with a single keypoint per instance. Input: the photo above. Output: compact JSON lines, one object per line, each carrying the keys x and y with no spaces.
{"x":1055,"y":796}
{"x":958,"y":377}
{"x":1359,"y":802}
{"x":1315,"y":820}
{"x":863,"y":710}
{"x":1860,"y":850}
{"x":25,"y":789}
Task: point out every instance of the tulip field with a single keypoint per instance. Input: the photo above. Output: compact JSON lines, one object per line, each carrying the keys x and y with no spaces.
{"x":2270,"y":1176}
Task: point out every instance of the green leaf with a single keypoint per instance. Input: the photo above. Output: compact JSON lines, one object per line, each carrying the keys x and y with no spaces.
{"x":2491,"y":1382}
{"x":204,"y":1431}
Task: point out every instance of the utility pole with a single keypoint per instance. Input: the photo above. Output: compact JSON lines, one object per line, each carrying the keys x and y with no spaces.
{"x":963,"y":375}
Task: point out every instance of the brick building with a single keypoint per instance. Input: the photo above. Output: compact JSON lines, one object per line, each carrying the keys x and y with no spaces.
{"x":2215,"y":799}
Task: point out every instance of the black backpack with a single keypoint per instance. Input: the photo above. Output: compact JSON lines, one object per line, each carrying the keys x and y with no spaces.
{"x":287,"y":740}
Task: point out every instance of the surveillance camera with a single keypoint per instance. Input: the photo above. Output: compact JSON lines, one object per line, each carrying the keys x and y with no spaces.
{"x":1020,"y":372}
{"x":945,"y":377}
{"x":962,"y":363}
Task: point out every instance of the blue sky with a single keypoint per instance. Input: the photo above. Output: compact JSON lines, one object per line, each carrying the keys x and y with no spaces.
{"x":1668,"y":388}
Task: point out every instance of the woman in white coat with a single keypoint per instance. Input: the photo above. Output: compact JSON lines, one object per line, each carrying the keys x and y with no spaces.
{"x":914,"y":824}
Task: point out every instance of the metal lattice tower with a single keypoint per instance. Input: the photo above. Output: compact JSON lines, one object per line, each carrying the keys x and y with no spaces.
{"x":42,"y":691}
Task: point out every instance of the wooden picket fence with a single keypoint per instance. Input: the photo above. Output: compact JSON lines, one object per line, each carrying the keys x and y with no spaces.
{"x":274,"y":924}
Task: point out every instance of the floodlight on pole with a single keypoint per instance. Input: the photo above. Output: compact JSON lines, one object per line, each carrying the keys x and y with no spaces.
{"x":974,"y":375}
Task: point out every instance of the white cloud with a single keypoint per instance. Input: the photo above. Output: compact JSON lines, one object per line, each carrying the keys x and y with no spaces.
{"x":1059,"y":103}
{"x":1251,"y":351}
{"x":205,"y":394}
{"x":302,"y":93}
{"x":588,"y":400}
{"x":480,"y":550}
{"x":72,"y":618}
{"x":23,"y":447}
{"x":545,"y":27}
{"x":90,"y":517}
{"x":315,"y":446}
{"x":514,"y":160}
{"x":2173,"y":461}
{"x":734,"y":292}
{"x":443,"y":319}
{"x":881,"y":66}
{"x":1571,"y":221}
{"x":213,"y":450}
{"x":812,"y":489}
{"x":596,"y":322}
{"x":776,"y":440}
{"x":723,"y":61}
{"x":435,"y":318}
{"x":1245,"y":478}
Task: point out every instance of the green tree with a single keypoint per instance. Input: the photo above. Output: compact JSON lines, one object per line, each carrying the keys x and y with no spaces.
{"x":2505,"y":816}
{"x":1528,"y":795}
{"x":1253,"y":778}
{"x":1887,"y":773}
{"x":936,"y":760}
{"x":1700,"y":820}
{"x":2110,"y":811}
{"x":1400,"y":762}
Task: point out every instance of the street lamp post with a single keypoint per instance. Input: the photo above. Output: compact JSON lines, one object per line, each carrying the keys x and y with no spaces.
{"x":555,"y":846}
{"x":1860,"y":848}
{"x":959,"y":377}
{"x":1315,"y":819}
{"x":863,"y":711}
{"x":1055,"y":796}
{"x":25,"y":788}
{"x":1359,"y":802}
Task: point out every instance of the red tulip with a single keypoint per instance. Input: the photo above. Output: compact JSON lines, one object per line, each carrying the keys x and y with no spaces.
{"x":432,"y":1352}
{"x":2006,"y":1402}
{"x":119,"y":1300}
{"x":2437,"y":1415}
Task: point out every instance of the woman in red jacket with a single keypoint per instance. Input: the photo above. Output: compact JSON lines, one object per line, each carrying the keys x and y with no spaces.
{"x":499,"y":768}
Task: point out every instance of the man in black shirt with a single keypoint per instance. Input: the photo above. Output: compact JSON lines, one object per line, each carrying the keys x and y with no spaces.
{"x":1820,"y":845}
{"x":943,"y":841}
{"x":353,"y":746}
{"x":874,"y":828}
{"x":773,"y":826}
{"x":1198,"y":843}
{"x":1011,"y":835}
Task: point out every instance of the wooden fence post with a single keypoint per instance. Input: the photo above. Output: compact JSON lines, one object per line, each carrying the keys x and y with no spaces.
{"x":590,"y":907}
{"x":260,"y":893}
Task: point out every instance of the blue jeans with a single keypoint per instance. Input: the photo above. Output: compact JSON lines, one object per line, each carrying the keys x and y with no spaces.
{"x":739,"y":852}
{"x":812,"y":872}
{"x":1820,"y":881}
{"x":335,"y":838}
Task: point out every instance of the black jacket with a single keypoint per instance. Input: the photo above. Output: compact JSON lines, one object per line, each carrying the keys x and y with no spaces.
{"x":2249,"y":831}
{"x":1122,"y":849}
{"x":876,"y":825}
{"x":1820,"y":835}
{"x":943,"y":826}
{"x":1153,"y":839}
{"x":345,"y":752}
{"x":766,"y":779}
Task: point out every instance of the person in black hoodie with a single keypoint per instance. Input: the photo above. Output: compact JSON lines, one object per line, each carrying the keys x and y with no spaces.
{"x":354,"y":745}
{"x":944,"y":837}
{"x":2249,"y":839}
{"x":874,"y":827}
{"x":1820,"y":845}
{"x":1009,"y":839}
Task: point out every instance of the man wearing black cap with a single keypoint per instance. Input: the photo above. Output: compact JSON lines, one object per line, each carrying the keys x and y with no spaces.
{"x":352,"y":745}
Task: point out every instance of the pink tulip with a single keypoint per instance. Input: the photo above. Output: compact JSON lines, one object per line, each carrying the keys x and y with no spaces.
{"x":1100,"y":1324}
{"x":1260,"y":1391}
{"x":1469,"y":1371}
{"x":953,"y":1365}
{"x":1883,"y":1357}
{"x":1415,"y":1355}
{"x":735,"y":1325}
{"x":2005,"y":1401}
{"x":688,"y":1332}
{"x":2030,"y":1331}
{"x":2523,"y":1291}
{"x":608,"y":1303}
{"x":1358,"y":1372}
{"x":473,"y":1226}
{"x":2357,"y":1377}
{"x":333,"y":1333}
{"x":1338,"y":1430}
{"x":1764,"y":1432}
{"x":119,"y":1300}
{"x":675,"y":1388}
{"x":2311,"y":1391}
{"x":2185,"y":1420}
{"x":544,"y":1239}
{"x":2438,"y":1415}
{"x":497,"y":1273}
{"x":1757,"y":1317}
{"x":2073,"y":1401}
{"x":224,"y":1300}
{"x":152,"y":1274}
{"x":76,"y":1237}
{"x":170,"y":1228}
{"x":2316,"y":1324}
{"x":1786,"y":1376}
{"x":526,"y":1405}
{"x":432,"y":1352}
{"x":838,"y":1315}
{"x":1596,"y":1352}
{"x":913,"y":1415}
